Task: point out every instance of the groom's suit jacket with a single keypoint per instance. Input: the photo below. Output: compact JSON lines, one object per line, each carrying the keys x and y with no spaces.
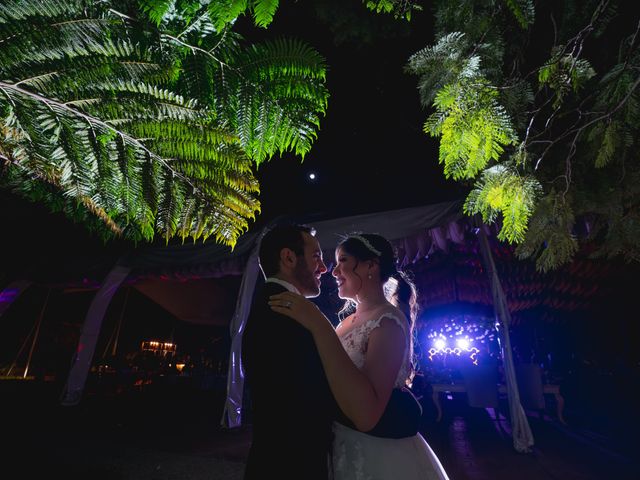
{"x":291,"y":404}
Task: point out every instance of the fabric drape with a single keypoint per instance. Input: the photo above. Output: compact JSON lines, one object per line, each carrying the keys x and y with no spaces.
{"x":90,"y":332}
{"x":232,"y":413}
{"x":521,"y":432}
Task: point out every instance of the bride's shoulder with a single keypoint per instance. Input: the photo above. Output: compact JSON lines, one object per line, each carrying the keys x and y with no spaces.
{"x":390,"y":314}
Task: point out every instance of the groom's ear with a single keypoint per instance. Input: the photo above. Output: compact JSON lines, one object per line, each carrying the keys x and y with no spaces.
{"x":288,"y":257}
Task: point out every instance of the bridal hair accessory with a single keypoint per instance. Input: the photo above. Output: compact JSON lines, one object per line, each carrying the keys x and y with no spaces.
{"x":367,"y":244}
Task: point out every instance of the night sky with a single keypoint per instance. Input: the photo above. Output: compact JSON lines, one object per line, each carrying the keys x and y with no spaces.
{"x":371,"y":153}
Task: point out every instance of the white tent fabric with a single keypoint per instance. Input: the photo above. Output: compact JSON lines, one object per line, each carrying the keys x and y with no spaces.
{"x":521,"y":432}
{"x":212,"y":260}
{"x":231,"y":415}
{"x":432,"y":224}
{"x":89,"y":337}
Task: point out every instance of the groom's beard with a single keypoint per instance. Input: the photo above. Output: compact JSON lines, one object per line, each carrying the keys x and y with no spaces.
{"x":306,"y":279}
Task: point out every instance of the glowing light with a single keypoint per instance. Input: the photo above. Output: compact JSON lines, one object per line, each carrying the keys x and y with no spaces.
{"x":161,"y":348}
{"x":312,"y":176}
{"x":462,"y":331}
{"x":8,"y":295}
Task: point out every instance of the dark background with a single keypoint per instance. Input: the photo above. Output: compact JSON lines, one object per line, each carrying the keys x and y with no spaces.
{"x":371,"y":153}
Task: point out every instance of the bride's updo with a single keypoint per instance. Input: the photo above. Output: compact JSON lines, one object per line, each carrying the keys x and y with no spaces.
{"x":399,"y":289}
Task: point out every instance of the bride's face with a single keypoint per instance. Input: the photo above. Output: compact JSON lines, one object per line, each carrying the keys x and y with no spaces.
{"x":347,"y":274}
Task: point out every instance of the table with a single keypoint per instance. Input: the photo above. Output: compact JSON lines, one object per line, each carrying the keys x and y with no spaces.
{"x":548,"y":389}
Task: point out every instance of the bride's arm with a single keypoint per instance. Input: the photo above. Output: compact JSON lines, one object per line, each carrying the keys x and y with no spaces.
{"x":361,"y":394}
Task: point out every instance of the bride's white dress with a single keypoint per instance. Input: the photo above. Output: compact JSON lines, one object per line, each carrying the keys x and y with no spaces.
{"x":358,"y":456}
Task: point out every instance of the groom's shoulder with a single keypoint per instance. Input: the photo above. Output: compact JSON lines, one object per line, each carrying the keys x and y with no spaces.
{"x":273,"y":287}
{"x":269,"y":288}
{"x":260,"y":305}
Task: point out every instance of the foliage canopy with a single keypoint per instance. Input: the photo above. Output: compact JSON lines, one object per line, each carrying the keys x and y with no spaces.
{"x":537,"y":105}
{"x":138,"y":118}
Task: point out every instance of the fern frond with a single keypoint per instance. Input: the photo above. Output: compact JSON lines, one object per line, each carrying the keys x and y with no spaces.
{"x":441,"y":64}
{"x":14,"y":12}
{"x":500,"y":190}
{"x":473,"y":126}
{"x":610,"y":140}
{"x":158,"y":10}
{"x":223,"y":13}
{"x":263,"y":11}
{"x":280,"y":95}
{"x":517,"y":97}
{"x":523,"y":11}
{"x":150,"y":130}
{"x":550,"y":236}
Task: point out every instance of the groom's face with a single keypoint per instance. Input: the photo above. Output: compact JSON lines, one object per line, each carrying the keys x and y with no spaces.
{"x":309,"y":267}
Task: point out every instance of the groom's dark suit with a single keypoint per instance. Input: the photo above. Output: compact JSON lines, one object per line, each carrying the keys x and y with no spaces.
{"x":292,"y":405}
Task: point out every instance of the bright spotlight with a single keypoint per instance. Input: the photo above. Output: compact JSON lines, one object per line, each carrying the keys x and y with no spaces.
{"x":463,"y":343}
{"x":440,"y":344}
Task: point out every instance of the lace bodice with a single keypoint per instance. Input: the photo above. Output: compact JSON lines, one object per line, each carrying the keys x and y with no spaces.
{"x":355,"y":343}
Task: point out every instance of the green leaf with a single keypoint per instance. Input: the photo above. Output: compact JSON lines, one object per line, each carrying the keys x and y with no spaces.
{"x":134,"y":130}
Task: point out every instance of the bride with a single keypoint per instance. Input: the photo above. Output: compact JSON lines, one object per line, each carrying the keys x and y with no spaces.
{"x":365,"y":357}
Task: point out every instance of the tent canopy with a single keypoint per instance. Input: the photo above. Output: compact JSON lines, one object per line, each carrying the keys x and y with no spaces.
{"x":198,"y":283}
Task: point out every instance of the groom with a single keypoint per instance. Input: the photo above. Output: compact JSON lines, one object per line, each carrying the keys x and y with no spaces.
{"x":292,"y":406}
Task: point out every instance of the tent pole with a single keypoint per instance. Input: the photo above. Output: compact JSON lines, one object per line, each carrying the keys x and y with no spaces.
{"x":124,"y":306}
{"x":24,"y":344}
{"x":116,"y":333}
{"x":35,"y":335}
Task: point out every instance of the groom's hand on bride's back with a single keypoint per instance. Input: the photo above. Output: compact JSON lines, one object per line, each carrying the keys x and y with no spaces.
{"x":401,"y":417}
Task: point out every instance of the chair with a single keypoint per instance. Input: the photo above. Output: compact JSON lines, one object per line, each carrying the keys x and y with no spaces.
{"x":481,"y":384}
{"x":530,"y":387}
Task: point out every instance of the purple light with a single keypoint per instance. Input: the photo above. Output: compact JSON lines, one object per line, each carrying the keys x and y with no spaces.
{"x":8,"y":295}
{"x":456,"y":336}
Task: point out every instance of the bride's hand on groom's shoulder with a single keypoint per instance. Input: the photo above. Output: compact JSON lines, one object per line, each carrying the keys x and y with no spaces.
{"x":297,"y":307}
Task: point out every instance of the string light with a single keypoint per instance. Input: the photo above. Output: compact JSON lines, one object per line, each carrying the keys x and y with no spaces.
{"x":463,"y":332}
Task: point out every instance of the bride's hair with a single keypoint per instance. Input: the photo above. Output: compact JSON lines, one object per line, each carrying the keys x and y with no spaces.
{"x":398,"y":287}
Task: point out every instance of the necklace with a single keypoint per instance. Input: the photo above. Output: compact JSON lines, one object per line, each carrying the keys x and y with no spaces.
{"x":357,"y":313}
